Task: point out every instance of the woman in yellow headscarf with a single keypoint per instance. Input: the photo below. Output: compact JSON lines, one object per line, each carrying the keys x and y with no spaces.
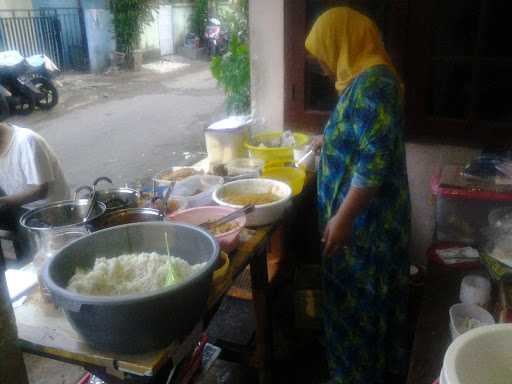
{"x":363,"y":202}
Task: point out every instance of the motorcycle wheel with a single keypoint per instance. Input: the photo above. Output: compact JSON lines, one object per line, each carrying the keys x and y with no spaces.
{"x":51,"y":95}
{"x":4,"y":108}
{"x":26,"y":105}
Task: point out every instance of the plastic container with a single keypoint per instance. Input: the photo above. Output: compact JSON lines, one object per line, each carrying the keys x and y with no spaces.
{"x":245,"y":166}
{"x":51,"y":242}
{"x":197,"y":189}
{"x":225,"y":139}
{"x":476,"y":290}
{"x":269,"y":153}
{"x":462,"y":212}
{"x":228,"y":241}
{"x":164,"y":177}
{"x":294,"y":177}
{"x":461,"y":315}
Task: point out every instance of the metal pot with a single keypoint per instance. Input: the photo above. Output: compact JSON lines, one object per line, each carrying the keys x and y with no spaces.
{"x":139,"y":322}
{"x":128,"y":216}
{"x":39,"y":223}
{"x":62,"y":214}
{"x":118,"y":198}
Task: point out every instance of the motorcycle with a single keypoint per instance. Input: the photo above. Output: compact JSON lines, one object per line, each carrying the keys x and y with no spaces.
{"x":27,"y":83}
{"x":216,"y":37}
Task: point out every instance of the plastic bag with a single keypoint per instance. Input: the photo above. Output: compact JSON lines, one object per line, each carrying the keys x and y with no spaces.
{"x":499,"y":235}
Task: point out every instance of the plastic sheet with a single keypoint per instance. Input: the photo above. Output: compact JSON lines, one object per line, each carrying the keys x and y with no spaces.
{"x":499,"y":235}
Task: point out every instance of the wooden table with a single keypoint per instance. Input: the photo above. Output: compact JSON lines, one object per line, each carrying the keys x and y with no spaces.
{"x":432,"y":336}
{"x":44,"y":330}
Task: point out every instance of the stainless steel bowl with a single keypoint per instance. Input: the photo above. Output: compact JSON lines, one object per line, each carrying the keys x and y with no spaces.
{"x":127,"y":216}
{"x":118,"y":198}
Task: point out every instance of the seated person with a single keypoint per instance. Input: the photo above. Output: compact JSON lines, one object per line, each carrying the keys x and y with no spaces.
{"x":30,"y":177}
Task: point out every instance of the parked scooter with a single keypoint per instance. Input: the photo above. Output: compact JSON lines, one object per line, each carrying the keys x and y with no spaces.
{"x":27,"y":82}
{"x":216,"y":37}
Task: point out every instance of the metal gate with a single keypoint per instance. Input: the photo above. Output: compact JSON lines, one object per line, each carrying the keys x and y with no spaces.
{"x":59,"y":33}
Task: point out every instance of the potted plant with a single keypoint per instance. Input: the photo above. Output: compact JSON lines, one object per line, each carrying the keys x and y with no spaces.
{"x":129,"y":18}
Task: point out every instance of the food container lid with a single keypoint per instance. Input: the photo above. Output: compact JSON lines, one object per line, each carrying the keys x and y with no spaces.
{"x":468,"y":191}
{"x":230,"y":124}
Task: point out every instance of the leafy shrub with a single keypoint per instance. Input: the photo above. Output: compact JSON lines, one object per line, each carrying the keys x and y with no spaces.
{"x":199,"y":18}
{"x":233,"y":69}
{"x":129,"y":18}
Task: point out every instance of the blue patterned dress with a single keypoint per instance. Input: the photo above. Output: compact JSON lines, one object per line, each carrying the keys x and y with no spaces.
{"x":366,"y":285}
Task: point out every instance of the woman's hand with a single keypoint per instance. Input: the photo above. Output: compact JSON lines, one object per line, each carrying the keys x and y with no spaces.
{"x":317,"y":142}
{"x":337,"y":234}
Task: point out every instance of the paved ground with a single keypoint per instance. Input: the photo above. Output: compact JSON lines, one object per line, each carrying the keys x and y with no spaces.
{"x":128,"y":126}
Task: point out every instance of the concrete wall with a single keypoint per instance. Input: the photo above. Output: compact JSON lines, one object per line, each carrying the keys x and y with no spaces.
{"x":100,"y":33}
{"x":15,"y":4}
{"x":266,"y":19}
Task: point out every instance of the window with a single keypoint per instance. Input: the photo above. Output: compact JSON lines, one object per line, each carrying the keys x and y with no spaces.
{"x":459,"y":71}
{"x":309,"y":96}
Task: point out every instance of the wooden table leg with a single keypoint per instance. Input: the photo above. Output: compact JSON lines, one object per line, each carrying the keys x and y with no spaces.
{"x":264,"y":338}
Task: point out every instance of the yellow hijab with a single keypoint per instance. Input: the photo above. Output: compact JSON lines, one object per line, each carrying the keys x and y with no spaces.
{"x":347,"y":42}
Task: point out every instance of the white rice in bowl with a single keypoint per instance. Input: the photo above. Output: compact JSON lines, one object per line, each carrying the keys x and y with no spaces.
{"x":129,"y":274}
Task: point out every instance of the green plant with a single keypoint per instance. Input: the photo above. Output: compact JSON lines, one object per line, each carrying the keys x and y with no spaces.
{"x":233,"y":69}
{"x":129,"y":18}
{"x":199,"y":18}
{"x":236,"y":18}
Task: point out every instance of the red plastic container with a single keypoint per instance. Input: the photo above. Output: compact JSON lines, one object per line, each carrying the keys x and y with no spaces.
{"x":462,"y":211}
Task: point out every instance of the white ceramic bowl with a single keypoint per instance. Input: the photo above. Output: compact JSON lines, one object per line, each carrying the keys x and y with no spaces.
{"x":482,"y":355}
{"x":263,"y":214}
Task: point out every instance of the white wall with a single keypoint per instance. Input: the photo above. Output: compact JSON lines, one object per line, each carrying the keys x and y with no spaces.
{"x":266,"y":18}
{"x":181,"y":13}
{"x":150,"y":37}
{"x":422,"y":161}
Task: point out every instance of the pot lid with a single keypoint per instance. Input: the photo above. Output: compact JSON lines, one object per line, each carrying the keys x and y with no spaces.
{"x":231,"y":123}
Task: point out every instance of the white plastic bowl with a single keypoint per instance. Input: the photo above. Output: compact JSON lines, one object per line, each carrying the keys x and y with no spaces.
{"x":263,"y":214}
{"x":460,"y":312}
{"x":480,"y":356}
